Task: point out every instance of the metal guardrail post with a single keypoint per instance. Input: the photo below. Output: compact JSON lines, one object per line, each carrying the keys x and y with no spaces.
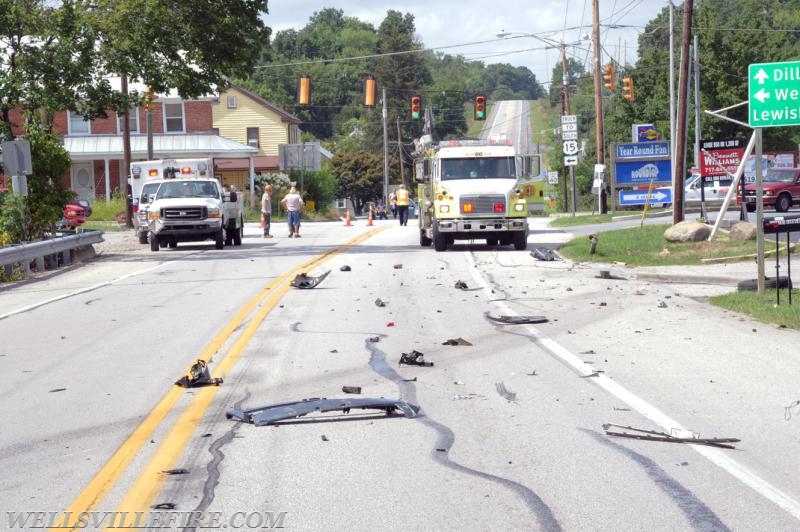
{"x":37,"y":251}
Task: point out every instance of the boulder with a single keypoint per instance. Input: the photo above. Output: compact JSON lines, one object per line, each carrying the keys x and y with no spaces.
{"x":687,"y":232}
{"x":743,"y":231}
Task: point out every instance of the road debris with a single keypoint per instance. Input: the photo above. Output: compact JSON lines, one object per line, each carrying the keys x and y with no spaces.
{"x":651,"y":435}
{"x":518,"y":320}
{"x":198,"y":376}
{"x":271,"y":414}
{"x":306,"y":281}
{"x":351,"y":389}
{"x":380,"y":303}
{"x":544,"y":254}
{"x":458,"y":397}
{"x":324,"y":438}
{"x":461,"y":285}
{"x":504,"y":392}
{"x":456,"y":341}
{"x":414,"y":358}
{"x":398,"y":266}
{"x":787,"y":412}
{"x":375,"y":339}
{"x":605,"y":274}
{"x":344,"y":268}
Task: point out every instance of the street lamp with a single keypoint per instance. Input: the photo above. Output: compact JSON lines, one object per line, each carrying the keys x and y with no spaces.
{"x":564,"y":99}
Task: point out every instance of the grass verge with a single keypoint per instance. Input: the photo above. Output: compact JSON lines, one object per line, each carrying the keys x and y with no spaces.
{"x":764,"y":307}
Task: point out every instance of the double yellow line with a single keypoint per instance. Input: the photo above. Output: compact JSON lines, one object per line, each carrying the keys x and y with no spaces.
{"x":149,"y":481}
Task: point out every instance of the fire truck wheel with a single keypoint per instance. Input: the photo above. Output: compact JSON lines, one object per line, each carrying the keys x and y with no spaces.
{"x":153,"y":242}
{"x":439,"y":240}
{"x":520,"y":240}
{"x":424,"y":241}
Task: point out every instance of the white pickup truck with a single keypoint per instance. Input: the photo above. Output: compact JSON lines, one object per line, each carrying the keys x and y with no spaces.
{"x":192,"y":210}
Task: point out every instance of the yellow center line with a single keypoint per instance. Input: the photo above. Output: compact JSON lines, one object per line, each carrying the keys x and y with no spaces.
{"x":150,"y":481}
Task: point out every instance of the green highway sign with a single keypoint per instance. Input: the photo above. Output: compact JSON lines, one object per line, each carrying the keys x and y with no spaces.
{"x":774,"y":94}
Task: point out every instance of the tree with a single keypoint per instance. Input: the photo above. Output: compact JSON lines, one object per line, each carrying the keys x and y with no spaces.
{"x":360,"y":176}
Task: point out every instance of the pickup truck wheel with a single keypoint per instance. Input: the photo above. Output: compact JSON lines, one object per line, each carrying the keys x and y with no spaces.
{"x":238,"y":233}
{"x":230,"y":227}
{"x":520,"y":240}
{"x":491,"y":242}
{"x":750,"y":207}
{"x":172,"y":243}
{"x":439,"y":240}
{"x":153,"y":238}
{"x":219,"y":239}
{"x":424,"y":241}
{"x":783,"y":203}
{"x":143,"y":238}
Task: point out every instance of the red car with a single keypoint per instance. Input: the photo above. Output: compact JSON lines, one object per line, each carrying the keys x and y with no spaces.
{"x":781,"y":190}
{"x":74,"y":215}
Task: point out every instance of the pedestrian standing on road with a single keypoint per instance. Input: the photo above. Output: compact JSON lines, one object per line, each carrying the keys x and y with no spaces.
{"x":293,"y":203}
{"x":393,"y":203}
{"x":266,"y":209}
{"x":402,"y":204}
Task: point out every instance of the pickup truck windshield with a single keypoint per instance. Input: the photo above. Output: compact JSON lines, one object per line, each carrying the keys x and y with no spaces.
{"x":780,"y":175}
{"x":188,"y":189}
{"x":478,"y":168}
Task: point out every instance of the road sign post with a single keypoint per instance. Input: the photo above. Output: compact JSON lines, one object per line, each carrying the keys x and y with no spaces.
{"x":774,"y":94}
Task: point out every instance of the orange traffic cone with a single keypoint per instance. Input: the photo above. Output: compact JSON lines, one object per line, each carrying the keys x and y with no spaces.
{"x":369,"y":220}
{"x":347,"y":219}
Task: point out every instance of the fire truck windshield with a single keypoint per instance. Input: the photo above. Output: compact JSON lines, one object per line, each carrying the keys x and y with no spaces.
{"x":478,"y":168}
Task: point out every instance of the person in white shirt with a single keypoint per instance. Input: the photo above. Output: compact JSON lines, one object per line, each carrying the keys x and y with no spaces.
{"x":266,"y":209}
{"x":294,"y":204}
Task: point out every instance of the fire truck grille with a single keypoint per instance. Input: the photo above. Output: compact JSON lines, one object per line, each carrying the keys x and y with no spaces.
{"x":184,"y":213}
{"x":484,"y":204}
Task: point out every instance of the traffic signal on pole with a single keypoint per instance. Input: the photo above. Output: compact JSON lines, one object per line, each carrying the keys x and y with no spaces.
{"x":416,"y":107}
{"x":369,"y":91}
{"x":303,"y":90}
{"x":480,"y":107}
{"x":627,"y":89}
{"x":609,"y":77}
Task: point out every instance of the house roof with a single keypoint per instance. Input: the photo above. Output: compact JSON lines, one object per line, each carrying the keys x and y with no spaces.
{"x":285,"y":116}
{"x":91,"y":147}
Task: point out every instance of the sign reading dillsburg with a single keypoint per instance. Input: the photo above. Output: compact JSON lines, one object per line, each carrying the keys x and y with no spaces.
{"x":774,"y":94}
{"x":637,"y":150}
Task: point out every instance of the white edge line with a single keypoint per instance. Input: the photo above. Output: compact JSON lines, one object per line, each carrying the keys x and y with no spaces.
{"x":77,"y":292}
{"x":716,"y":456}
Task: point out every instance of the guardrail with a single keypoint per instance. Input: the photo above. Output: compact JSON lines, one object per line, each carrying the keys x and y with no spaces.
{"x":51,"y":253}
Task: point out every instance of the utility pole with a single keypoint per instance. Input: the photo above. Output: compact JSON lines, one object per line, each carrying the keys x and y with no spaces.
{"x":384,"y":113}
{"x":683,"y":86}
{"x":400,"y":154}
{"x":126,"y":151}
{"x":598,"y":102}
{"x":565,"y":112}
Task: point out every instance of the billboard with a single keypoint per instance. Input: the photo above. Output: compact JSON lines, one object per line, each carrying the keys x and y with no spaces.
{"x":641,"y":173}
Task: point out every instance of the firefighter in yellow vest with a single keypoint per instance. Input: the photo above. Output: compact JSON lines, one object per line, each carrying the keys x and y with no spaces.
{"x":402,"y":204}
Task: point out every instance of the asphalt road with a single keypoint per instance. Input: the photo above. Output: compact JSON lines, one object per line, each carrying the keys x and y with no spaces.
{"x":512,"y":432}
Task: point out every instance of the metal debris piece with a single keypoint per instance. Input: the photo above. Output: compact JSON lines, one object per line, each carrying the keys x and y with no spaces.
{"x":518,"y":320}
{"x":198,"y":376}
{"x":380,"y":303}
{"x":414,"y":358}
{"x":651,"y":435}
{"x":544,"y":254}
{"x":398,"y":266}
{"x":461,"y":285}
{"x":351,"y":389}
{"x":270,"y":414}
{"x":504,"y":392}
{"x":306,"y":281}
{"x":661,"y":304}
{"x":466,"y":396}
{"x":595,"y":373}
{"x":324,"y":438}
{"x":456,"y":341}
{"x":344,"y":268}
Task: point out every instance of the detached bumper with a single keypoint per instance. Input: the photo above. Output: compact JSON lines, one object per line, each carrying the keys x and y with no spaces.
{"x":498,"y":225}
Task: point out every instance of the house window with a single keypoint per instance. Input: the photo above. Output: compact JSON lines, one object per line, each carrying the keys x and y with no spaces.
{"x":252,"y":137}
{"x":78,"y":125}
{"x":173,"y":117}
{"x":133,"y":121}
{"x":231,"y":102}
{"x":341,"y":203}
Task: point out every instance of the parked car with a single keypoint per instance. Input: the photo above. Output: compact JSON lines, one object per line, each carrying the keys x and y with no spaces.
{"x":74,"y":215}
{"x":781,"y":190}
{"x":715,"y":189}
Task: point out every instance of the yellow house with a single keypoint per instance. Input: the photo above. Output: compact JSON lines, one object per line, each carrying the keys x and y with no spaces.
{"x":245,"y":117}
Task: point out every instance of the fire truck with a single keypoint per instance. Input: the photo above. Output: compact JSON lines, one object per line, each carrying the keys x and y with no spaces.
{"x":468,"y":190}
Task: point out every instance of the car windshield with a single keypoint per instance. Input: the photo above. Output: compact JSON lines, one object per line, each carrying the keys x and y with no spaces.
{"x":188,"y":189}
{"x":779,"y":175}
{"x":478,"y":168}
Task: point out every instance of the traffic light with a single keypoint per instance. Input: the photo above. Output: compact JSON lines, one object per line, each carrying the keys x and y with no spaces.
{"x":303,"y":90}
{"x":609,"y":77}
{"x":480,"y":107}
{"x":416,"y":107}
{"x":369,"y":91}
{"x":627,"y":89}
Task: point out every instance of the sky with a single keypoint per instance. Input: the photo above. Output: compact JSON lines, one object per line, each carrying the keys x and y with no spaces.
{"x":452,"y":26}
